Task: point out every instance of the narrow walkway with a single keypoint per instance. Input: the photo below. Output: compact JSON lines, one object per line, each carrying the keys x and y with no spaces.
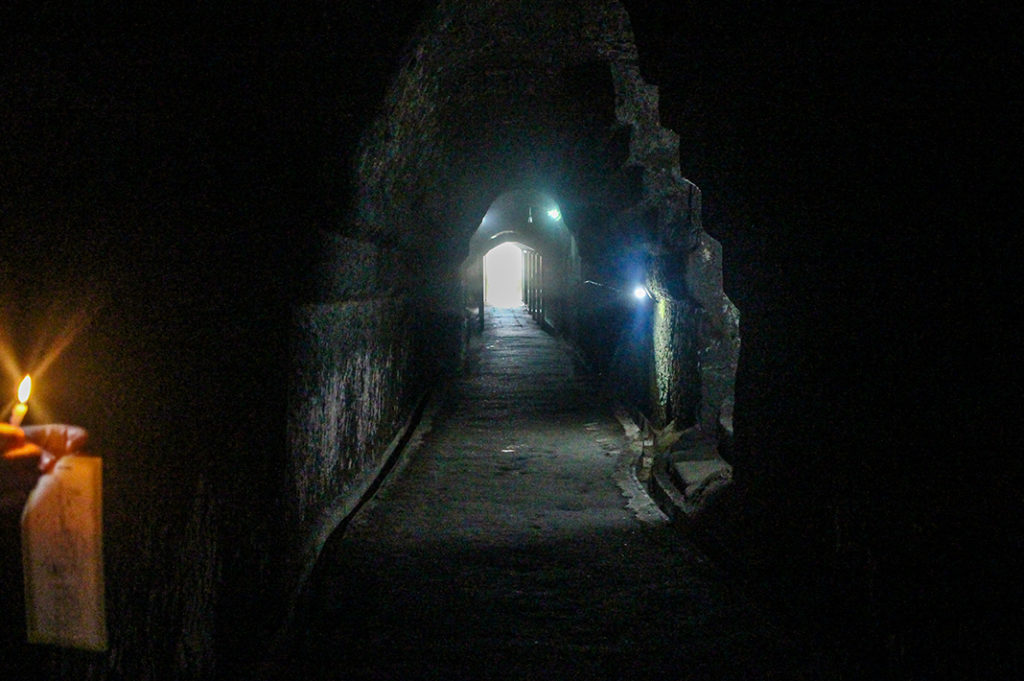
{"x":504,"y":549}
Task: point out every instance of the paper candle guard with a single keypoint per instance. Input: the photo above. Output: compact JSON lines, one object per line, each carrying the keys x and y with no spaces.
{"x":62,"y":548}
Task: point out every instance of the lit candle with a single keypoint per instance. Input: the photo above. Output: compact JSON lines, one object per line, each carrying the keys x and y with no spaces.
{"x":18,"y":413}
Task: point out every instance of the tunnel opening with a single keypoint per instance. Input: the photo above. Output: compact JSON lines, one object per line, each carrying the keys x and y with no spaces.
{"x":527,"y":227}
{"x":503,"y":275}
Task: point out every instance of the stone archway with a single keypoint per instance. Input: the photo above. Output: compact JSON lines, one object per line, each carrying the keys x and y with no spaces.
{"x":532,"y":218}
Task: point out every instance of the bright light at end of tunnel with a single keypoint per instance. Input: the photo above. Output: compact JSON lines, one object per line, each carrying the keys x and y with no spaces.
{"x":555,"y":214}
{"x":503,"y":276}
{"x":640,"y":293}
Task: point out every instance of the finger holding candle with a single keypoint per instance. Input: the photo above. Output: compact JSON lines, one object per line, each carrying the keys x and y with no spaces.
{"x":10,"y":436}
{"x":58,"y":437}
{"x":56,"y":440}
{"x":15,"y":444}
{"x":19,"y":468}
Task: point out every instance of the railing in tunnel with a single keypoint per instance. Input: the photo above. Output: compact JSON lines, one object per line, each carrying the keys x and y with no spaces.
{"x":533,"y":283}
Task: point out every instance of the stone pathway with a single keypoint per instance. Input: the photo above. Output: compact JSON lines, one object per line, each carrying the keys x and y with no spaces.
{"x":504,"y":548}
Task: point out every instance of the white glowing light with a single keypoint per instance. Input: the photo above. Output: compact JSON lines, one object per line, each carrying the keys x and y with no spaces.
{"x":640,"y":292}
{"x":503,"y":276}
{"x":555,"y":214}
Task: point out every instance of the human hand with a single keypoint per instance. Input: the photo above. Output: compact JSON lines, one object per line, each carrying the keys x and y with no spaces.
{"x":18,"y":468}
{"x":56,"y":440}
{"x":49,"y":442}
{"x":14,"y":445}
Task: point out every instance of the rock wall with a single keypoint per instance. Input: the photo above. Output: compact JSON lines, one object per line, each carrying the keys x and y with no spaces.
{"x":362,"y":362}
{"x":350,"y":390}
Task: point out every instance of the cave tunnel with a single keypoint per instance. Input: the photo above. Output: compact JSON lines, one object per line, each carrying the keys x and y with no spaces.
{"x":246,"y":249}
{"x":546,"y":134}
{"x":324,"y":337}
{"x":545,"y":138}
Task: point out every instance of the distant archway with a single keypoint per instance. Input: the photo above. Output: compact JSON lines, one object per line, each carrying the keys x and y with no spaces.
{"x":548,"y":268}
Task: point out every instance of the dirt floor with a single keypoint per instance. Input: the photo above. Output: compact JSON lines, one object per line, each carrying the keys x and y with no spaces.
{"x":511,"y":543}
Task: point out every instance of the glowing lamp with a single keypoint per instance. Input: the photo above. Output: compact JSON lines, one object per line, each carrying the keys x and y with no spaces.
{"x":18,"y":413}
{"x":555,"y":214}
{"x":639,"y":293}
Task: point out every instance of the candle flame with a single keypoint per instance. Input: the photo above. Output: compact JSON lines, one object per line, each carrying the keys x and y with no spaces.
{"x":24,"y":389}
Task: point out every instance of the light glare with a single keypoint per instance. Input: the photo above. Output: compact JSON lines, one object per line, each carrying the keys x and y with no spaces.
{"x":640,"y":292}
{"x":555,"y":214}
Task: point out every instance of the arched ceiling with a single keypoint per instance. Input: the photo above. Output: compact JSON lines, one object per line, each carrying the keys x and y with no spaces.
{"x":529,"y":216}
{"x":494,"y":96}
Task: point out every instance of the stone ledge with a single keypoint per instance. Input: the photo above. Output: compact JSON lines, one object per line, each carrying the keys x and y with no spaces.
{"x":686,"y":482}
